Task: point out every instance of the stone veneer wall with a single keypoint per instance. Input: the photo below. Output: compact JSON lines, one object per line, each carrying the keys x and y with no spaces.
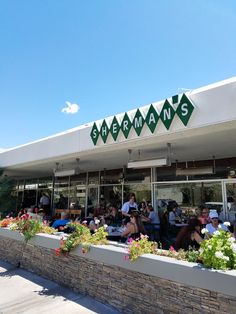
{"x":129,"y":291}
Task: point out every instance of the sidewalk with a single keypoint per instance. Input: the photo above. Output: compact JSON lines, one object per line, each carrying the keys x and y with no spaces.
{"x":24,"y":292}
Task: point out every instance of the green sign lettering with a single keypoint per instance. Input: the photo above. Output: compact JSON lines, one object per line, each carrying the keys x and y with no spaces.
{"x":184,"y":111}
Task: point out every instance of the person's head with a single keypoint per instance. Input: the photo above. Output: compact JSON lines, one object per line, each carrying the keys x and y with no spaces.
{"x":213,"y":215}
{"x":150,"y":208}
{"x":136,"y":219}
{"x":170,"y":208}
{"x":134,"y":216}
{"x":186,"y":232}
{"x":132,"y":198}
{"x":194,"y":224}
{"x":143,"y":205}
{"x":205,"y":212}
{"x":41,"y":211}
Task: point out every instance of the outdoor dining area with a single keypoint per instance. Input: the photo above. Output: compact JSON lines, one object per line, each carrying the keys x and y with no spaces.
{"x":166,"y":226}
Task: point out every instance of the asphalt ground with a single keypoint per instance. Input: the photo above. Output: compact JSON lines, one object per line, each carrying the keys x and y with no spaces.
{"x":22,"y":291}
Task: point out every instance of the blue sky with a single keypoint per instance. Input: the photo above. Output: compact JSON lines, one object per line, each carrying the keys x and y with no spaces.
{"x":108,"y":56}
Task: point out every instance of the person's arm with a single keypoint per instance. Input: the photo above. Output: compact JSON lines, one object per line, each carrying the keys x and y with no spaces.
{"x":197,"y":237}
{"x":171,"y":218}
{"x":125,"y":209}
{"x":127,"y":231}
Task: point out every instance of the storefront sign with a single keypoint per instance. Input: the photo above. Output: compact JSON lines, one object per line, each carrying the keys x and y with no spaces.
{"x":184,"y":110}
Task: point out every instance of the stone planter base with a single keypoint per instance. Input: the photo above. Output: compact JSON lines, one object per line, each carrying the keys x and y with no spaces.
{"x":153,"y":284}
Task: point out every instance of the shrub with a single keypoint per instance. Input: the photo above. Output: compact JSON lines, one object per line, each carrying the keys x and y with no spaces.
{"x":219,"y":251}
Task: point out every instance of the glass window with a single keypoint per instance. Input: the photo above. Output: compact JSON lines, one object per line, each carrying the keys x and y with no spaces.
{"x":45,"y":183}
{"x":31,"y":184}
{"x":111,"y":176}
{"x":77,"y":196}
{"x":61,"y":192}
{"x":21,"y":185}
{"x":93,"y":177}
{"x":137,"y":175}
{"x":111,"y":195}
{"x":92,"y":198}
{"x":188,"y":195}
{"x":142,"y":192}
{"x":80,"y":179}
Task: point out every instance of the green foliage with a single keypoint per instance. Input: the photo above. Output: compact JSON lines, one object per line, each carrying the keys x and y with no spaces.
{"x":81,"y":236}
{"x":219,"y":251}
{"x":140,"y":246}
{"x":29,"y":227}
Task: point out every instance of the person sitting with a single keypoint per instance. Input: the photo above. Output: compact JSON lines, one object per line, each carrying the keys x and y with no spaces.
{"x":171,"y":214}
{"x":134,"y":228}
{"x":32,"y":215}
{"x":112,"y":216}
{"x":22,"y":212}
{"x":61,"y":222}
{"x":204,"y":216}
{"x":99,"y":211}
{"x":189,"y":236}
{"x":143,"y":209}
{"x":153,"y":225}
{"x":214,"y":225}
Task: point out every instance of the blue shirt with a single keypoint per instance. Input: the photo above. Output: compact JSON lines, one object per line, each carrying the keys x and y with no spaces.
{"x":60,"y":222}
{"x":126,"y":206}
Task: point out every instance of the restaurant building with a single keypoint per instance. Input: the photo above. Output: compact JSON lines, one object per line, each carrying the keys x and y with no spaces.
{"x":182,"y":148}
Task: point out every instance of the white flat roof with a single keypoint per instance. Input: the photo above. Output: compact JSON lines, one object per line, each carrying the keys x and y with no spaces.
{"x":210,"y":131}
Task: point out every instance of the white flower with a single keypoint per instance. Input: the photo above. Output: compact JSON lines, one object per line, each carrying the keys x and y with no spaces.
{"x":97,"y":221}
{"x":226,"y":223}
{"x":233,"y":247}
{"x":204,"y":231}
{"x":201,"y":250}
{"x":219,"y":254}
{"x":219,"y":227}
{"x":226,"y":258}
{"x":216,"y":233}
{"x":105,"y":226}
{"x":231,"y":240}
{"x":209,"y":247}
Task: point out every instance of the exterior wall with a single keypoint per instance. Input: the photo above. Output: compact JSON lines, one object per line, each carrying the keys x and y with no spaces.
{"x":146,"y":286}
{"x":78,"y":141}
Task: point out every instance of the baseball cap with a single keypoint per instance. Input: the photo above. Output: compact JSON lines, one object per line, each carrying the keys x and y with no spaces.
{"x":213,"y":214}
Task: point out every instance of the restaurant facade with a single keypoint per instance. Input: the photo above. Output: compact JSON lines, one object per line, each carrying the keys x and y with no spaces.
{"x":181,"y":148}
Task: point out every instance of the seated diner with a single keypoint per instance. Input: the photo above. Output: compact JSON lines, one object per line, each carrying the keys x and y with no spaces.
{"x":189,"y":236}
{"x":134,"y":228}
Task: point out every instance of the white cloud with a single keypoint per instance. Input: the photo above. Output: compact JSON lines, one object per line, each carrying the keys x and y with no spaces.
{"x":70,"y":108}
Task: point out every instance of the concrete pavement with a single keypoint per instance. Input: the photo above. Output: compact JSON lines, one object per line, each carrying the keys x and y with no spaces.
{"x":24,"y":292}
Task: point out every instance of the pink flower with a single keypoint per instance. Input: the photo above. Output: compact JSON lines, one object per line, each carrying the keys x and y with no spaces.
{"x":172,"y":249}
{"x":130,"y":240}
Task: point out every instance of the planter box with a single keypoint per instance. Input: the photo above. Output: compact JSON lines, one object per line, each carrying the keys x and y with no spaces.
{"x":152,"y":284}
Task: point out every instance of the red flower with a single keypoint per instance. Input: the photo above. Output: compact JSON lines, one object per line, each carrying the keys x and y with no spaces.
{"x":57,"y":252}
